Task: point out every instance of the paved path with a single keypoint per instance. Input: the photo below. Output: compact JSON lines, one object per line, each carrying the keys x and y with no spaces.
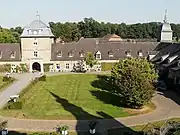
{"x":22,"y":81}
{"x":166,"y":108}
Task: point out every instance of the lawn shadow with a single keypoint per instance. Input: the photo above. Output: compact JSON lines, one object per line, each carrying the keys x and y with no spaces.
{"x":107,"y":93}
{"x":108,"y":98}
{"x":83,"y":119}
{"x":104,"y":83}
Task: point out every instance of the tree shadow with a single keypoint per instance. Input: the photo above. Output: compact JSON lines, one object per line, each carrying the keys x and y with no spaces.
{"x":104,"y":83}
{"x":107,"y":93}
{"x":108,"y":98}
{"x":83,"y":118}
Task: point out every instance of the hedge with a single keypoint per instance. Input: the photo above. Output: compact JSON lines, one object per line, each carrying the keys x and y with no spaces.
{"x":106,"y":66}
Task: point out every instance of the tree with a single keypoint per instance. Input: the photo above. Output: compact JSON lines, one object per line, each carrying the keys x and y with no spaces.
{"x":6,"y":36}
{"x":133,"y":79}
{"x":90,"y":59}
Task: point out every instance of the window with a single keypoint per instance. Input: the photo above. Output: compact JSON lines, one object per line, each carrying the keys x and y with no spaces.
{"x":81,"y":53}
{"x":59,"y":54}
{"x":98,"y":55}
{"x":140,"y":53}
{"x":12,"y":54}
{"x":70,"y":54}
{"x":35,"y":54}
{"x":110,"y":53}
{"x":35,"y":43}
{"x":128,"y":53}
{"x":58,"y":66}
{"x":67,"y":65}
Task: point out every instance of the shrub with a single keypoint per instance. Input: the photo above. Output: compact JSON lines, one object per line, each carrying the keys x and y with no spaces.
{"x":7,"y":79}
{"x":7,"y":67}
{"x":42,"y":78}
{"x":24,"y":67}
{"x":14,"y":105}
{"x":46,"y":67}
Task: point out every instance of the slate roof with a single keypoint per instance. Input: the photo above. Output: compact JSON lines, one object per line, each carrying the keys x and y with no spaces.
{"x":7,"y":50}
{"x":40,"y":29}
{"x":91,"y":45}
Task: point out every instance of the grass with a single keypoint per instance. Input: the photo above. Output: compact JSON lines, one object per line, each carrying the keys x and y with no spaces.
{"x":3,"y":84}
{"x":68,"y":97}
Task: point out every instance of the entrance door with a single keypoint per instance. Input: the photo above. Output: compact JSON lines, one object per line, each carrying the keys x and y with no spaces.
{"x":36,"y":66}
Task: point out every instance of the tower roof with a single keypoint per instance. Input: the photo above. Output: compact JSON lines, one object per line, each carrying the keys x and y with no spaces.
{"x":37,"y":28}
{"x":166,"y":27}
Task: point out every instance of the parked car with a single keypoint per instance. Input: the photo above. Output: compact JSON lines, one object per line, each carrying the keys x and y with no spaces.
{"x":161,"y":85}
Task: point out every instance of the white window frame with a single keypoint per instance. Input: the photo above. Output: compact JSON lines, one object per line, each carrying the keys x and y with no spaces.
{"x":128,"y":54}
{"x":140,"y":54}
{"x":98,"y":54}
{"x":35,"y":54}
{"x":13,"y":55}
{"x":70,"y":54}
{"x":67,"y":65}
{"x":59,"y":54}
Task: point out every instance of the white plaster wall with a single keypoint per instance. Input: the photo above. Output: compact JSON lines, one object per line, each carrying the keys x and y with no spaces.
{"x":166,"y":36}
{"x":43,"y":48}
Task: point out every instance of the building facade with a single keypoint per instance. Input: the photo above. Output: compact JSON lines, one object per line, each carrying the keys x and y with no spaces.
{"x":38,"y":49}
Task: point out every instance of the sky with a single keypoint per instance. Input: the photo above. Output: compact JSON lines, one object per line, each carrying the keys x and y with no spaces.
{"x":22,"y":12}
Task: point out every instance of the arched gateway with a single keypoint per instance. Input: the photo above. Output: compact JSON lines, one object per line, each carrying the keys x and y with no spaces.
{"x":36,"y":66}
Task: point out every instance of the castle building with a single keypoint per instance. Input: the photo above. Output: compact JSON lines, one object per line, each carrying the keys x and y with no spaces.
{"x":38,"y":49}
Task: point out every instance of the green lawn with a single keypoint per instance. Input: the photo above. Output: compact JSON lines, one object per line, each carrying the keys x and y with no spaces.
{"x":68,"y":97}
{"x":3,"y":84}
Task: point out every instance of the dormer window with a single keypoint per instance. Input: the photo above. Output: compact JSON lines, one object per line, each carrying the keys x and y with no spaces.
{"x":98,"y":55}
{"x":70,"y":54}
{"x":128,"y":53}
{"x":81,"y":53}
{"x":59,"y":54}
{"x":140,"y":53}
{"x":13,"y":54}
{"x":110,"y":53}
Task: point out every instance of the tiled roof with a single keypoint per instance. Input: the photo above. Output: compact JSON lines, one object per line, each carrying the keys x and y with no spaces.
{"x":90,"y":45}
{"x":37,"y":28}
{"x":8,"y":49}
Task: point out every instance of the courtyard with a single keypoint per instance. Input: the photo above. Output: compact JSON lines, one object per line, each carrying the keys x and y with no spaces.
{"x":73,"y":96}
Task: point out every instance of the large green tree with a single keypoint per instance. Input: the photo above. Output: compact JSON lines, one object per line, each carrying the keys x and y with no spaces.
{"x":6,"y":36}
{"x":133,"y":80}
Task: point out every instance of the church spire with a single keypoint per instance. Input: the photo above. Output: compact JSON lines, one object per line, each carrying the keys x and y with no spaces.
{"x":38,"y":16}
{"x":165,"y":16}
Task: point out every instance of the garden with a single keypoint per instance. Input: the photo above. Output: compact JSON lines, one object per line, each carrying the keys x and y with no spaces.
{"x":87,"y":96}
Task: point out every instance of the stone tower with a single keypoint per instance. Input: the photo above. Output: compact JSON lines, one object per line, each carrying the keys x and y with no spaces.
{"x":166,"y":31}
{"x":36,"y":41}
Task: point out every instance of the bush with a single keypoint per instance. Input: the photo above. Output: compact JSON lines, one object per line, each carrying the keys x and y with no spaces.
{"x":24,"y":68}
{"x":14,"y":105}
{"x":46,"y":67}
{"x":42,"y":78}
{"x":7,"y":79}
{"x":7,"y":67}
{"x":107,"y":66}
